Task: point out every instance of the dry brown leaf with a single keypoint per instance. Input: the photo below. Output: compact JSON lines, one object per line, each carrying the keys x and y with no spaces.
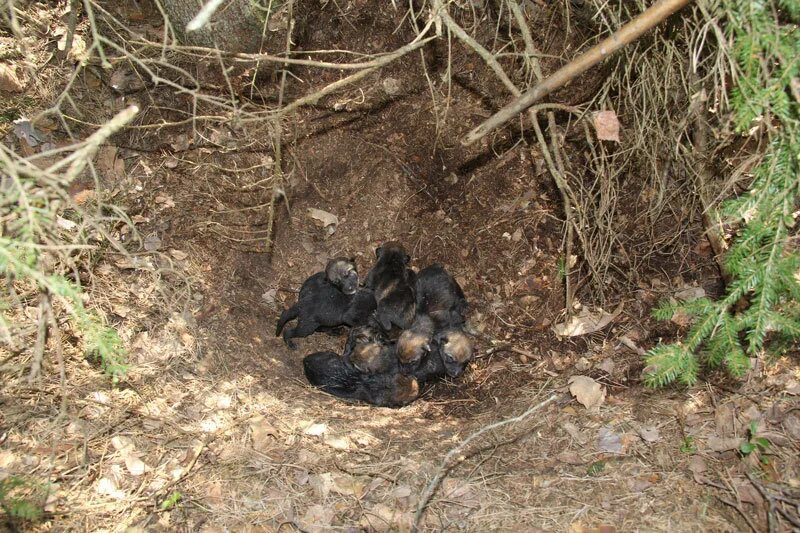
{"x":327,"y":219}
{"x":722,"y":444}
{"x":135,"y":465}
{"x":322,"y":484}
{"x":337,"y":443}
{"x":122,"y":444}
{"x":317,"y":519}
{"x":587,"y":391}
{"x":649,"y":434}
{"x":570,"y":458}
{"x":9,"y":81}
{"x":607,"y":126}
{"x":348,"y":485}
{"x":609,"y":442}
{"x":698,"y":467}
{"x":586,"y":322}
{"x":381,"y":517}
{"x":109,"y":164}
{"x":263,"y":433}
{"x":178,"y":255}
{"x":315,"y":430}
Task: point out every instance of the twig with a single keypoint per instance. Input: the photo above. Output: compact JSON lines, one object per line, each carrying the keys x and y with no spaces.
{"x":78,"y":160}
{"x":204,"y":15}
{"x":335,"y":86}
{"x":277,"y":184}
{"x":448,"y":462}
{"x":41,"y":337}
{"x":622,"y":37}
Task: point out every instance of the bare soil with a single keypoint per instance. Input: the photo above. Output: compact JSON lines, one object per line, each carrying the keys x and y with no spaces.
{"x":217,"y":409}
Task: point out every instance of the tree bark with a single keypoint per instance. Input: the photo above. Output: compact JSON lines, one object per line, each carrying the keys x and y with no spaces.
{"x":237,"y":26}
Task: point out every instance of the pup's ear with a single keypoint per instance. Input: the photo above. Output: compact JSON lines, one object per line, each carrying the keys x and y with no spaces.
{"x":352,"y":259}
{"x":378,"y":251}
{"x":407,"y":259}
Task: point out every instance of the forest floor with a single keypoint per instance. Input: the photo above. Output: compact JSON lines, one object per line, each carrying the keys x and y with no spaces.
{"x":214,"y":427}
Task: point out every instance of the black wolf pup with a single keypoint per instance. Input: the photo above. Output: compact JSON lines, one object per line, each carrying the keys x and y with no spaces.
{"x":368,"y":350}
{"x":440,"y":296}
{"x":330,"y":373}
{"x":327,"y":300}
{"x":393,"y":283}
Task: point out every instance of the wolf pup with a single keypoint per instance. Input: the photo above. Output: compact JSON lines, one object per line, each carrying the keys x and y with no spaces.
{"x":393,"y":283}
{"x":330,"y":373}
{"x":327,"y":300}
{"x":368,"y":351}
{"x":440,"y":296}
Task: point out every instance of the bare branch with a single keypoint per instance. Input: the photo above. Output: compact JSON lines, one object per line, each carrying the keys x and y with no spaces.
{"x":624,"y":36}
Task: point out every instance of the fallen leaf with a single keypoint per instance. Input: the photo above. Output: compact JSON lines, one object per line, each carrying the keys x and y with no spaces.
{"x":587,"y":391}
{"x":109,"y":164}
{"x":122,"y":444}
{"x":327,"y":219}
{"x":263,"y":432}
{"x":690,"y":294}
{"x":681,"y":318}
{"x":570,"y":458}
{"x":574,"y":432}
{"x":792,"y":425}
{"x":178,"y":255}
{"x":639,"y":484}
{"x":152,"y":242}
{"x":793,"y":387}
{"x":725,"y":419}
{"x":24,"y":130}
{"x":607,"y":366}
{"x":607,"y":126}
{"x":697,"y":466}
{"x":722,"y":444}
{"x":608,"y":441}
{"x":9,"y":81}
{"x":348,"y":485}
{"x":583,"y":365}
{"x":586,"y":322}
{"x":315,"y":430}
{"x":322,"y":484}
{"x":381,"y":517}
{"x":649,"y":434}
{"x":135,"y":465}
{"x":337,"y":443}
{"x":108,"y":487}
{"x":317,"y":519}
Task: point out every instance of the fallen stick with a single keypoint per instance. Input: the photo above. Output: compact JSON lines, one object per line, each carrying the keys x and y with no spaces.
{"x":625,"y":35}
{"x":449,"y":462}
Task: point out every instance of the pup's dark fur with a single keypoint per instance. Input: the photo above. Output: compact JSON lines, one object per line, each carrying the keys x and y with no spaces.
{"x":393,"y":283}
{"x":368,"y":351}
{"x":330,"y":373}
{"x":440,"y":297}
{"x":327,"y":300}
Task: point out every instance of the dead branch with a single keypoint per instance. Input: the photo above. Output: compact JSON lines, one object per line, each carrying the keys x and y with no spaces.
{"x":622,"y":37}
{"x":448,"y":463}
{"x":335,"y":86}
{"x":41,"y":337}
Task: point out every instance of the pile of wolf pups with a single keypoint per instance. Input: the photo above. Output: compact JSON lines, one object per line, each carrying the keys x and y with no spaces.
{"x":407,"y":328}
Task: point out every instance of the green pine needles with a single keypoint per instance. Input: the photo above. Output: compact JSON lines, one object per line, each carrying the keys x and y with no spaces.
{"x":40,"y":250}
{"x":763,"y":264}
